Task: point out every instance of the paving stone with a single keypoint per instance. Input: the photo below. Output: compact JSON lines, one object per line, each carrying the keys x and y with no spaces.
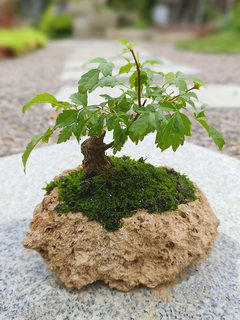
{"x":220,"y":96}
{"x":29,"y":291}
{"x":69,"y":75}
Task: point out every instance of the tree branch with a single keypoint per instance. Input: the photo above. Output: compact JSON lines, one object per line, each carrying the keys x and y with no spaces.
{"x":109,"y":145}
{"x":173,"y":98}
{"x":138,"y":114}
{"x":139,"y":78}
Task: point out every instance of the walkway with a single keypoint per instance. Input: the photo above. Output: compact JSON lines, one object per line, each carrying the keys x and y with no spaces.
{"x":29,"y":291}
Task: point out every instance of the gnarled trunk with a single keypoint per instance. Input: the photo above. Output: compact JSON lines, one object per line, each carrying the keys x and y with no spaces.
{"x":95,"y":160}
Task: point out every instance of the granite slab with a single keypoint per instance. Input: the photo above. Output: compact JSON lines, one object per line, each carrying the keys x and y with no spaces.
{"x":29,"y":291}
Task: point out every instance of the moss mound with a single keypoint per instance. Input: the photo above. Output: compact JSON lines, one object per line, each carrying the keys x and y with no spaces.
{"x":128,"y":186}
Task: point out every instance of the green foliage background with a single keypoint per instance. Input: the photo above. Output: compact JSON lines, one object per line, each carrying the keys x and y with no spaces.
{"x":143,"y":7}
{"x":18,"y":41}
{"x":56,"y":25}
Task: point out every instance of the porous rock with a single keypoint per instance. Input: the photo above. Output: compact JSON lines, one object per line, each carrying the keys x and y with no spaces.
{"x":149,"y":249}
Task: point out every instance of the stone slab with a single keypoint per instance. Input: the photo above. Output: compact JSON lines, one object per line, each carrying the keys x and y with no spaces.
{"x":220,"y":96}
{"x":78,"y":64}
{"x":88,"y":49}
{"x":71,"y":75}
{"x":215,"y":96}
{"x":29,"y":291}
{"x":93,"y":98}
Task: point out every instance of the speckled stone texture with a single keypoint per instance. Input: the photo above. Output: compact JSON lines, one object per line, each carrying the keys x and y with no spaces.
{"x":150,"y":249}
{"x":30,"y":291}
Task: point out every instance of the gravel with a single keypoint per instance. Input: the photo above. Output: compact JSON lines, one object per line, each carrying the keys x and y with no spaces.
{"x":214,"y":68}
{"x":21,"y":79}
{"x":36,"y":72}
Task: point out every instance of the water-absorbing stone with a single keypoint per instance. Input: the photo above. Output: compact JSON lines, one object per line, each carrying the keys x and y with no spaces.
{"x":149,"y":249}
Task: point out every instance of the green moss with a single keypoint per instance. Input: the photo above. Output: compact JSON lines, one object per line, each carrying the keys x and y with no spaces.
{"x":128,"y":186}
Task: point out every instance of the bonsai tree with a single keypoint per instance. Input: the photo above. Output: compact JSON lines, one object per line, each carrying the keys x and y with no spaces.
{"x":141,"y":108}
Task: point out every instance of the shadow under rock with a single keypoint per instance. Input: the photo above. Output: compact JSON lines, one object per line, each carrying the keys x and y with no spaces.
{"x":30,"y":291}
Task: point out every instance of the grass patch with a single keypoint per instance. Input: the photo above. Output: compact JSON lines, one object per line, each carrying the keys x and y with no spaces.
{"x":18,"y":41}
{"x":221,"y":42}
{"x":128,"y":186}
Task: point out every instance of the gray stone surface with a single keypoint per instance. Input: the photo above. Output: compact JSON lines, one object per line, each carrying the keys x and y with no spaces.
{"x":76,"y":74}
{"x":220,"y":96}
{"x":29,"y":291}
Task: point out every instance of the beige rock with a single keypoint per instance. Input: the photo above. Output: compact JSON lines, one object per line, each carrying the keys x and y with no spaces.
{"x":149,"y":249}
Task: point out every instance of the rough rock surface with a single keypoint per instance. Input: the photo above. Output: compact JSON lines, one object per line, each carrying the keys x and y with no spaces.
{"x":149,"y":249}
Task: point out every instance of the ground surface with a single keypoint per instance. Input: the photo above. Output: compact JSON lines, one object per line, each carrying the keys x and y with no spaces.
{"x":23,"y":77}
{"x":28,"y":290}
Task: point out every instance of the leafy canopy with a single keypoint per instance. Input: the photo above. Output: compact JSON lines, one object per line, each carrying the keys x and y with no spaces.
{"x":141,"y":108}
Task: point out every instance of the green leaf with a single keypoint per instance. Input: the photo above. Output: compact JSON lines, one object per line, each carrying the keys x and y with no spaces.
{"x":106,"y":68}
{"x":80,"y":99}
{"x":88,"y":81}
{"x":156,"y":93}
{"x":133,"y":80}
{"x":34,"y":141}
{"x":170,"y":76}
{"x":66,"y":118}
{"x":78,"y":129}
{"x":100,"y":124}
{"x":197,"y":82}
{"x":167,"y":106}
{"x":112,"y":121}
{"x":97,"y":60}
{"x":152,"y":62}
{"x":138,"y":129}
{"x":192,"y":95}
{"x":108,"y":81}
{"x":216,"y":136}
{"x":131,"y":94}
{"x":124,"y":105}
{"x":95,"y":124}
{"x":148,"y":108}
{"x":120,"y":137}
{"x":107,"y":97}
{"x":64,"y":105}
{"x":180,"y":84}
{"x":148,"y":72}
{"x":201,"y":116}
{"x":212,"y":132}
{"x":40,"y":98}
{"x":173,"y":134}
{"x":65,"y":134}
{"x":126,"y":68}
{"x":122,"y":41}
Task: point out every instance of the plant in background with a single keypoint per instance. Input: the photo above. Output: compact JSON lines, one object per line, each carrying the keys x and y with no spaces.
{"x":56,"y":25}
{"x":18,"y":41}
{"x":142,"y":7}
{"x":143,"y":107}
{"x":233,"y":22}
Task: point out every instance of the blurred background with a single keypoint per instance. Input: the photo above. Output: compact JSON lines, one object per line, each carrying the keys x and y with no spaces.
{"x":155,"y":20}
{"x":199,"y":37}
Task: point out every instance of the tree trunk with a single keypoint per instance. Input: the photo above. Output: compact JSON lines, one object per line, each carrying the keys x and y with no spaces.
{"x":95,"y":160}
